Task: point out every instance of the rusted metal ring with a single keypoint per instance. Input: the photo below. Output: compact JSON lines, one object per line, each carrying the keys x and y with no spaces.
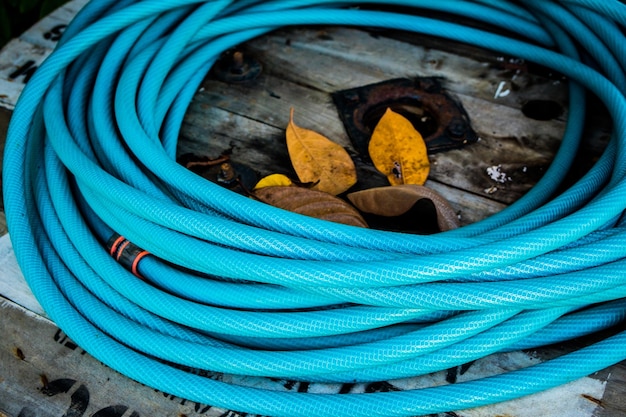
{"x":440,"y":119}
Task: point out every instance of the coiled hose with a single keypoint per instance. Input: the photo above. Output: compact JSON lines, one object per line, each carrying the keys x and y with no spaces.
{"x":238,"y":287}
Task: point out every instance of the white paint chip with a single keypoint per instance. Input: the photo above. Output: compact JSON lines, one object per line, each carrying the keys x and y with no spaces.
{"x":500,"y":91}
{"x":496,"y":174}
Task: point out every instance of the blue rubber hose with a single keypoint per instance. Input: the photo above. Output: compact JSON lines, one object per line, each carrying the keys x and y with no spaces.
{"x":227,"y":284}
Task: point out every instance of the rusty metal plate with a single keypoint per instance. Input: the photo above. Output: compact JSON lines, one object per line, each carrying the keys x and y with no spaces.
{"x":440,"y":119}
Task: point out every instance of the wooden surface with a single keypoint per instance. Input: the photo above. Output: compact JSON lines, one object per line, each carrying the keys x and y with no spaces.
{"x":44,"y":374}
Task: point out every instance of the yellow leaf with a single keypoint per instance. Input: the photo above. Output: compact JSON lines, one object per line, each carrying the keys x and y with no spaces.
{"x":273,"y":180}
{"x":319,"y":160}
{"x":398,"y":150}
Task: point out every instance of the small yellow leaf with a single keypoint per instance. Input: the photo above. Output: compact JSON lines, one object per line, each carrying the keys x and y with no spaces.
{"x":311,"y":203}
{"x":398,"y":150}
{"x":273,"y":180}
{"x":319,"y":160}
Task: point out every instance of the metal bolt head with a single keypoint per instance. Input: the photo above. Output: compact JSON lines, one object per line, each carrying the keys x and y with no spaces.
{"x":226,"y":174}
{"x":457,"y":128}
{"x":237,"y":67}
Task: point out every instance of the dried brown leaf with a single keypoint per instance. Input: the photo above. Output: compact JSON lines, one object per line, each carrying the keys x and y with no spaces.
{"x":397,"y":200}
{"x":317,"y":159}
{"x":311,"y":203}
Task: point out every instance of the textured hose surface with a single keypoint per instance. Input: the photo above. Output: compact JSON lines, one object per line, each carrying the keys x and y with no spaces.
{"x":91,"y":152}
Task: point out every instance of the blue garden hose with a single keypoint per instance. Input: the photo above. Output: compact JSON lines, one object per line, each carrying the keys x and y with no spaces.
{"x":235,"y":286}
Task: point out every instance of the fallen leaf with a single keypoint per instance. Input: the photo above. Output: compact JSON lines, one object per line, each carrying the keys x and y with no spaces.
{"x":398,"y":150}
{"x":316,"y":158}
{"x":397,"y":200}
{"x":311,"y":203}
{"x":273,"y":180}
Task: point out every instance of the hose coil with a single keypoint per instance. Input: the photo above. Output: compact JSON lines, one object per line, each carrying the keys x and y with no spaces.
{"x":230,"y":285}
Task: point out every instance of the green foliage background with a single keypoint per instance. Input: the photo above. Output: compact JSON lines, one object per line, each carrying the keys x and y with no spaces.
{"x":18,"y":15}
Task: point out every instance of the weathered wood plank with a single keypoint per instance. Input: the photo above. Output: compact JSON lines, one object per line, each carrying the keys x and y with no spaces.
{"x":47,"y":31}
{"x":21,"y":56}
{"x":354,"y":54}
{"x":269,"y":99}
{"x":45,"y":374}
{"x":13,"y":286}
{"x":3,"y":224}
{"x":469,"y":207}
{"x":613,"y":402}
{"x":19,"y":60}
